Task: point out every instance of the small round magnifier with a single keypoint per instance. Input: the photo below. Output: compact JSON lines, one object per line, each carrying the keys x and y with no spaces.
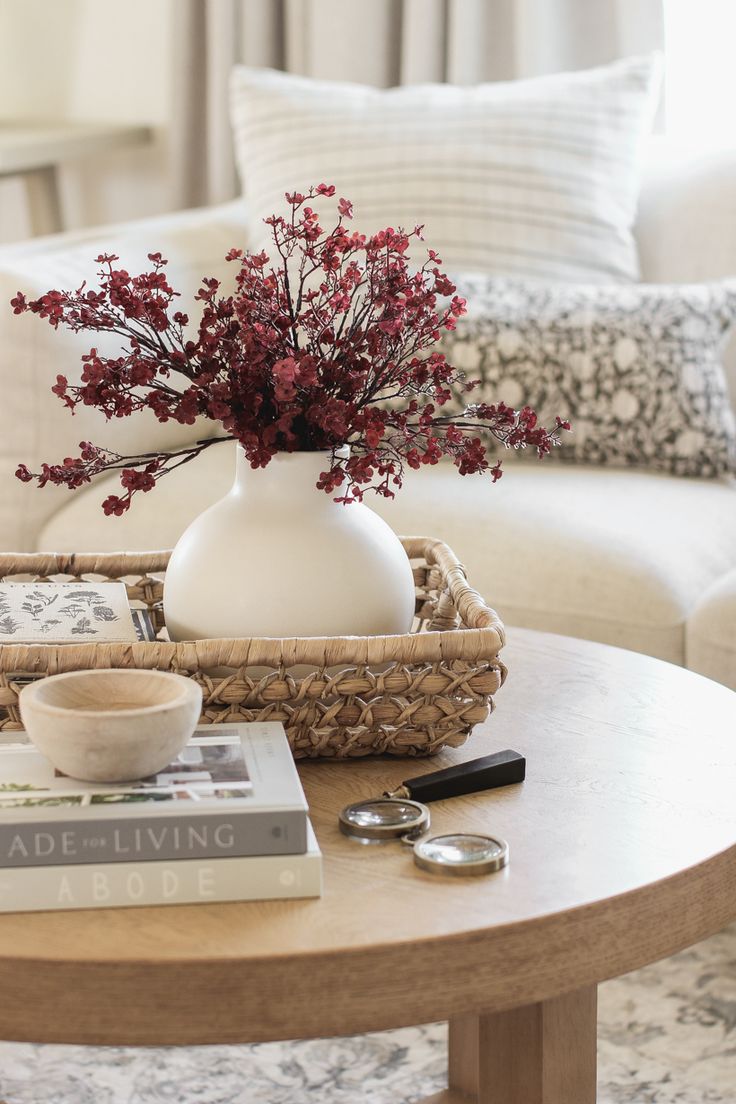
{"x":384,"y":818}
{"x":461,"y":854}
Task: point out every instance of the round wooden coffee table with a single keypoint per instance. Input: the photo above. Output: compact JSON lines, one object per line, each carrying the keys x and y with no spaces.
{"x":623,"y":850}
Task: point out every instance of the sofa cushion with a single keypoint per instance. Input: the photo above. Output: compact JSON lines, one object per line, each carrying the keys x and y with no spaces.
{"x":637,"y":370}
{"x":710,"y":642}
{"x":537,"y":176}
{"x":616,"y":556}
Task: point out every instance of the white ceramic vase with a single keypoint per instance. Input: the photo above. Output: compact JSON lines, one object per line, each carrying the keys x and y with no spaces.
{"x":278,"y":558}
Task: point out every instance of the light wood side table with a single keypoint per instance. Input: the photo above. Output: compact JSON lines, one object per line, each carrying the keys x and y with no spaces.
{"x":623,"y":850}
{"x":35,"y":151}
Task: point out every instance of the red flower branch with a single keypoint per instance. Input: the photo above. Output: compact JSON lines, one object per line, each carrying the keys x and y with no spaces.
{"x":331,"y":345}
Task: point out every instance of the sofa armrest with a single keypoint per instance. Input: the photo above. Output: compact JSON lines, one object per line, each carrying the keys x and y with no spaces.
{"x":686,"y":223}
{"x":35,"y":427}
{"x":710,"y":633}
{"x":173,"y":224}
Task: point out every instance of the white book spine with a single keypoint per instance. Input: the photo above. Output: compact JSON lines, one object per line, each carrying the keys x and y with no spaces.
{"x":187,"y":881}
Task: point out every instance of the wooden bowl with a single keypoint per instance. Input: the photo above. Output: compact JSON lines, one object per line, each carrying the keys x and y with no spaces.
{"x":111,"y":725}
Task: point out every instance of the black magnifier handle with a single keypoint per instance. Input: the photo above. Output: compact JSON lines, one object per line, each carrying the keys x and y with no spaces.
{"x":501,"y":769}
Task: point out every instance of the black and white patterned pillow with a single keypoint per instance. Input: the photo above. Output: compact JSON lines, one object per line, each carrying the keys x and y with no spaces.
{"x":636,"y":369}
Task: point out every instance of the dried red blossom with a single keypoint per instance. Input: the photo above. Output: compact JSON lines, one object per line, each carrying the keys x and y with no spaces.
{"x":331,"y":345}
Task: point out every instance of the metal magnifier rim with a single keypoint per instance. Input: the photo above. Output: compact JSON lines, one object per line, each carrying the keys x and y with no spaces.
{"x":381,"y":831}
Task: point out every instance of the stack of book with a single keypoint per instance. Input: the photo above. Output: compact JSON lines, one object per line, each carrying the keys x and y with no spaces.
{"x":226,"y":821}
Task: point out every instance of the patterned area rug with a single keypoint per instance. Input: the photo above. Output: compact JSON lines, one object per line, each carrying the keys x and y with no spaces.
{"x":667,"y":1036}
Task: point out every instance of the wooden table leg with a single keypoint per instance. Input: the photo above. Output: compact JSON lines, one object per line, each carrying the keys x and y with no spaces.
{"x":44,"y":202}
{"x":539,"y":1054}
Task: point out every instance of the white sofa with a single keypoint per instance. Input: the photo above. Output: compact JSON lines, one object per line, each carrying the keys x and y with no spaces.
{"x":630,"y":558}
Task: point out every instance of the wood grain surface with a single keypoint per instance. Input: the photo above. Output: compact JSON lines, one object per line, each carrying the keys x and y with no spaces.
{"x":623,"y":850}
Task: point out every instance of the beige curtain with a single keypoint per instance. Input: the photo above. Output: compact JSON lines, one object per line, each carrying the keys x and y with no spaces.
{"x":381,"y":42}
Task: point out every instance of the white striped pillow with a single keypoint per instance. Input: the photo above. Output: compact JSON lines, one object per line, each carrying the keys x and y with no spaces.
{"x":534,"y":177}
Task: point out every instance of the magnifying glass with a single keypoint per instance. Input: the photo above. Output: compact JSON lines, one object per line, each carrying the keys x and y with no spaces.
{"x":384,"y":818}
{"x":403,"y":814}
{"x":461,"y":854}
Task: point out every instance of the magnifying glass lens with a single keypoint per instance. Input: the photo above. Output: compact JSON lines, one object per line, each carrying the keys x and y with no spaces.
{"x":382,"y":813}
{"x":460,"y":849}
{"x":461,"y":853}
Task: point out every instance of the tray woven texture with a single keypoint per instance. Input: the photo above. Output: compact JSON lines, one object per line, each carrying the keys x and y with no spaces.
{"x":408,"y":694}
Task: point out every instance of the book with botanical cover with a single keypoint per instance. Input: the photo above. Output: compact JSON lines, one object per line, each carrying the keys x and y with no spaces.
{"x":65,"y":613}
{"x":232,"y":791}
{"x":189,"y":881}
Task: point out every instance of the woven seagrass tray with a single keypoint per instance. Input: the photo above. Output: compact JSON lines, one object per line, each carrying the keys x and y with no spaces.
{"x":336,"y":696}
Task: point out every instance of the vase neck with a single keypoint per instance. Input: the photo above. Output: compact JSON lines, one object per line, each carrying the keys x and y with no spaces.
{"x":288,"y":477}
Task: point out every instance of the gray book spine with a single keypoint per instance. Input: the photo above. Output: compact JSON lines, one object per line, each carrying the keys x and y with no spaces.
{"x":144,"y":839}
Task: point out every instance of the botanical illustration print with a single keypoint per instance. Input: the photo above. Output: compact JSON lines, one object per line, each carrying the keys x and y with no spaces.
{"x":667,"y":1035}
{"x":8,"y":625}
{"x":637,"y":370}
{"x":64,"y":611}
